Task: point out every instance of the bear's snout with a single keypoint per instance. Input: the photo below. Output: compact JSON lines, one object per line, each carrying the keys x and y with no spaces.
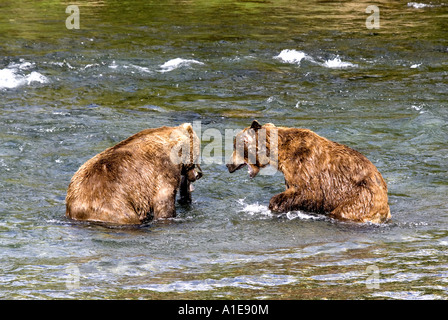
{"x":233,"y":167}
{"x":198,"y":172}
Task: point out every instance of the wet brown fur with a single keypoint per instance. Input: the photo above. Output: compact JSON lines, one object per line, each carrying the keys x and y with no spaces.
{"x":324,"y":176}
{"x":135,"y":180}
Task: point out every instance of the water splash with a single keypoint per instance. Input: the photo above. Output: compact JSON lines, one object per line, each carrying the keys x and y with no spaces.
{"x":417,"y":5}
{"x":295,"y":57}
{"x":262,"y":210}
{"x":337,"y":63}
{"x":291,"y":56}
{"x":16,"y":75}
{"x":177,"y":63}
{"x":255,"y":208}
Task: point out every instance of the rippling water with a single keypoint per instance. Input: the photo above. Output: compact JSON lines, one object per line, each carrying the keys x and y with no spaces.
{"x":69,"y":94}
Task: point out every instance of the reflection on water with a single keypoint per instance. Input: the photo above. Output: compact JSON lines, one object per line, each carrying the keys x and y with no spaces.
{"x":69,"y":94}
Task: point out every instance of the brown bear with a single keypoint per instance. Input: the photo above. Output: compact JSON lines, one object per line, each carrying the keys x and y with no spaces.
{"x":137,"y":179}
{"x":321,"y":176}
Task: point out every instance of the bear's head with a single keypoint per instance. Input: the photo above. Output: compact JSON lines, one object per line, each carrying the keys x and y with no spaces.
{"x":252,"y":147}
{"x":192,"y":172}
{"x":185,"y":152}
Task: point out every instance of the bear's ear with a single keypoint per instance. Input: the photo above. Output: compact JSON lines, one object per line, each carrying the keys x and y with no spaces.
{"x":186,"y":126}
{"x":255,"y":125}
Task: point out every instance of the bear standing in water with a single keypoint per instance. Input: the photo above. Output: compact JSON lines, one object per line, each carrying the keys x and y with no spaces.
{"x":321,"y":176}
{"x":137,"y":179}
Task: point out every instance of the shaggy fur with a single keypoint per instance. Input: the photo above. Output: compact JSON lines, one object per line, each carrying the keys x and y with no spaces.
{"x":321,"y":176}
{"x":137,"y":179}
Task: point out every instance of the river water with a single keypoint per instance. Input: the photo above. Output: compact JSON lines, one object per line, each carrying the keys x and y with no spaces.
{"x":67,"y":94}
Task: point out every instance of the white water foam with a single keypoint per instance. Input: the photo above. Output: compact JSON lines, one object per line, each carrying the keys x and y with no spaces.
{"x":418,"y":108}
{"x":63,"y":64}
{"x":16,"y":75}
{"x":141,"y":69}
{"x":303,"y":216}
{"x":336,"y":63}
{"x":177,"y":63}
{"x":258,"y":209}
{"x":131,"y":66}
{"x":113,"y":65}
{"x":294,"y":56}
{"x":291,"y":56}
{"x":417,"y":5}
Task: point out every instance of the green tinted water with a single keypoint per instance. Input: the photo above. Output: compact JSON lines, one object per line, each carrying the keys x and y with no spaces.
{"x":69,"y":94}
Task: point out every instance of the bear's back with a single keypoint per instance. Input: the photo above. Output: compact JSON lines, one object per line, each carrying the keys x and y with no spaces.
{"x":121,"y":180}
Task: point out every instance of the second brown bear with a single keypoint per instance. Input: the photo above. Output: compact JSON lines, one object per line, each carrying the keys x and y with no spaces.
{"x":320,"y":175}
